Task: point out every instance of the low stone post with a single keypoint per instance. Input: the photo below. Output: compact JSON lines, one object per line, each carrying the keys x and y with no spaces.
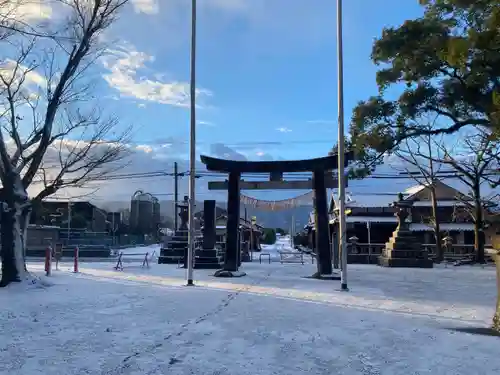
{"x":448,"y":244}
{"x":495,"y":254}
{"x":354,"y":244}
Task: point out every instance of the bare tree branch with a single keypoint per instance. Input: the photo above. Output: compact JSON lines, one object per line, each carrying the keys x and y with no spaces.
{"x":419,"y":153}
{"x":49,"y":127}
{"x":475,"y":159}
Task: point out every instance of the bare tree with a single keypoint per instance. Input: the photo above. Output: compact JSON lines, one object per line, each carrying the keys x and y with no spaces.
{"x":24,"y":17}
{"x":419,"y":155}
{"x":475,"y":160}
{"x":51,"y":135}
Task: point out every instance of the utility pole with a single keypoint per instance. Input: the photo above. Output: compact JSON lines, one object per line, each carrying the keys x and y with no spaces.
{"x":192,"y":148}
{"x":176,"y":195}
{"x":69,"y":220}
{"x":113,"y":227}
{"x":341,"y":150}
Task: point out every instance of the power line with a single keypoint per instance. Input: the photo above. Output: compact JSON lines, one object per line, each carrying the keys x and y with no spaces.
{"x":240,"y":144}
{"x":291,"y":177}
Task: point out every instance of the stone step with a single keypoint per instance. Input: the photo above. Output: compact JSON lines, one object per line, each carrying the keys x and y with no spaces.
{"x":177,"y":247}
{"x":173,"y":252}
{"x":405,"y":262}
{"x":399,"y":246}
{"x":207,"y":253}
{"x":170,"y":260}
{"x":175,"y":239}
{"x":201,"y":260}
{"x":207,"y":266}
{"x":399,"y":253}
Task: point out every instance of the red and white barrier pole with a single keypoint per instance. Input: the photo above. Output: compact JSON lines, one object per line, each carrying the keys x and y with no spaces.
{"x":48,"y":261}
{"x":75,"y":265}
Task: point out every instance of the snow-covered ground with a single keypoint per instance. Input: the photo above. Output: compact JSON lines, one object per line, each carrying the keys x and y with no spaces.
{"x":282,"y":245}
{"x":273,"y":321}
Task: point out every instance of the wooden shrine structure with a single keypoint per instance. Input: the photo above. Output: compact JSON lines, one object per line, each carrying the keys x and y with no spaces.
{"x":322,"y":178}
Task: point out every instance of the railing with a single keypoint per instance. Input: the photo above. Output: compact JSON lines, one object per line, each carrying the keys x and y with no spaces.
{"x":363,"y":253}
{"x":184,"y":234}
{"x":458,"y":251}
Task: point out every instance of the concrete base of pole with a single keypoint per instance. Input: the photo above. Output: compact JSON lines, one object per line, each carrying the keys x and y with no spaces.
{"x":226,"y":273}
{"x":190,"y":283}
{"x":318,"y":276}
{"x":344,"y":288}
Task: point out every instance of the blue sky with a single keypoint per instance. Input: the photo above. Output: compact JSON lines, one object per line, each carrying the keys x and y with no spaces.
{"x":268,"y":68}
{"x":266,"y":75}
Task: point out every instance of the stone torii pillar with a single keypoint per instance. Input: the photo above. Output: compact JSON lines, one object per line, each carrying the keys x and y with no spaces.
{"x":231,"y":261}
{"x":322,"y":226}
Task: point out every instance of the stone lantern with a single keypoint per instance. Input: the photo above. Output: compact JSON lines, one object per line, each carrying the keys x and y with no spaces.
{"x":403,"y":249}
{"x":448,"y":243}
{"x":354,"y":242}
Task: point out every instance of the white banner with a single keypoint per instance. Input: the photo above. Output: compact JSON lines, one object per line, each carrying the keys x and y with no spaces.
{"x":301,"y":200}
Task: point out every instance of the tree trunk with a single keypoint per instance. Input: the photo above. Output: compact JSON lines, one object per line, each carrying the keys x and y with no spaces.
{"x":478,"y":227}
{"x":15,"y":219}
{"x":495,"y":254}
{"x":496,"y":317}
{"x":9,"y":269}
{"x":437,"y":228}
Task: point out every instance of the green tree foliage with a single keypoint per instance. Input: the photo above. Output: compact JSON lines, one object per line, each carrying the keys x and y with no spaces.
{"x":269,"y":236}
{"x":448,"y":64}
{"x":281,"y":231}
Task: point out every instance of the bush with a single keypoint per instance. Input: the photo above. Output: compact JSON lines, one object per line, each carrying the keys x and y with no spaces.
{"x":281,"y":231}
{"x":269,"y":236}
{"x":301,"y":239}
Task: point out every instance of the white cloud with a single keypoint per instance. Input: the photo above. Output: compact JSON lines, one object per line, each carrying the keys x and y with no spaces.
{"x":143,"y":158}
{"x":26,"y":11}
{"x":146,"y":6}
{"x":9,"y":68}
{"x":321,"y":122}
{"x":25,"y":82}
{"x":123,"y":65}
{"x":284,"y":130}
{"x":205,"y":123}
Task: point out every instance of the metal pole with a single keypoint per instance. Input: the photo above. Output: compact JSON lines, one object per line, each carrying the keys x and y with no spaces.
{"x":192,"y":148}
{"x":369,"y":228}
{"x":69,"y":220}
{"x":176,"y":196}
{"x":251,"y":241}
{"x":342,"y":223}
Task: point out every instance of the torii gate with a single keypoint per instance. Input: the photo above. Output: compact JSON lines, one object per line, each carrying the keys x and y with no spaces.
{"x":322,"y":179}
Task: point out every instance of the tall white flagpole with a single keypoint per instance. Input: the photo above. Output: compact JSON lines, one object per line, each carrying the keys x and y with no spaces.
{"x":341,"y":150}
{"x":192,"y":149}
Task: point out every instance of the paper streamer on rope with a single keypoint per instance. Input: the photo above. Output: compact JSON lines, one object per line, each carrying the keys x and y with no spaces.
{"x":301,"y":200}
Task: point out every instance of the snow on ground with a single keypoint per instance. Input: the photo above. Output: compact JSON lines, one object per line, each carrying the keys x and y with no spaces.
{"x":273,"y":321}
{"x":282,"y":245}
{"x":135,"y":253}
